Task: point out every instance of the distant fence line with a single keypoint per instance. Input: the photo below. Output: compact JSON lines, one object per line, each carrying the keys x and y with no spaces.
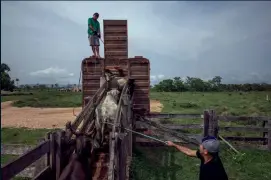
{"x":210,"y":126}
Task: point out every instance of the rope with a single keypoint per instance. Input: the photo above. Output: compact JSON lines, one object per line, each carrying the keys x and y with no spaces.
{"x":231,"y":146}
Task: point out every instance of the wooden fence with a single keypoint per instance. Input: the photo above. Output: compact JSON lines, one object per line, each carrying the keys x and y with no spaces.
{"x":121,"y":144}
{"x":212,"y":124}
{"x":51,"y":155}
{"x":46,"y":167}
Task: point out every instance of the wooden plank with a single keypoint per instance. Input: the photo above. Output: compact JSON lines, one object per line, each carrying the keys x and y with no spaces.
{"x":90,"y":116}
{"x":115,"y":30}
{"x":215,"y":126}
{"x":90,"y":105}
{"x":140,"y":67}
{"x":243,"y":129}
{"x":119,"y":46}
{"x":141,"y":101}
{"x":116,"y":38}
{"x":20,"y":163}
{"x":176,"y":126}
{"x":168,"y":130}
{"x":174,"y":115}
{"x":144,"y":83}
{"x":265,"y":134}
{"x":59,"y":161}
{"x":115,"y":26}
{"x":111,"y":170}
{"x":206,"y":123}
{"x":116,"y":53}
{"x":122,"y":159}
{"x":269,"y":135}
{"x":114,"y":22}
{"x":243,"y":118}
{"x":90,"y":77}
{"x":53,"y":153}
{"x":96,"y":77}
{"x":237,"y":138}
{"x":45,"y":174}
{"x":91,"y":86}
{"x":141,"y":60}
{"x":139,"y":71}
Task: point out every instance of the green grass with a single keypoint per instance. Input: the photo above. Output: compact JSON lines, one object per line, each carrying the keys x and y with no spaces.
{"x":46,"y":99}
{"x":249,"y":104}
{"x":166,"y":163}
{"x":6,"y":158}
{"x":147,"y":163}
{"x":22,"y":135}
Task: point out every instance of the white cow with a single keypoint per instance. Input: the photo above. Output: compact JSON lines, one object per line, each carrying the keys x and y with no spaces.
{"x":106,"y":110}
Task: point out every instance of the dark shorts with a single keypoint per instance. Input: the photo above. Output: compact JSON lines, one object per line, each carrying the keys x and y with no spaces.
{"x":93,"y":40}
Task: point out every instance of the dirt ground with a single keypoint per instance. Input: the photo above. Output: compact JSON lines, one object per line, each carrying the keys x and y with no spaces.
{"x":44,"y":117}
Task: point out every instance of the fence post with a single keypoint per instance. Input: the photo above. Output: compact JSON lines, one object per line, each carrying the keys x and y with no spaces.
{"x":269,"y":134}
{"x":52,"y":154}
{"x":59,"y":155}
{"x":205,"y":123}
{"x":265,"y":134}
{"x":213,"y":123}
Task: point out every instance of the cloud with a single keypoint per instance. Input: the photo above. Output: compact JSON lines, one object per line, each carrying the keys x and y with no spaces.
{"x":52,"y":75}
{"x":156,"y":78}
{"x":202,"y":39}
{"x":51,"y":71}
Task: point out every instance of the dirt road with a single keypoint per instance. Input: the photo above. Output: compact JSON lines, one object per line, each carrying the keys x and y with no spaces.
{"x":44,"y":117}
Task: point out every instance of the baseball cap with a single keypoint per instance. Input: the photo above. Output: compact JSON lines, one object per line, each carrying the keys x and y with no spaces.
{"x":211,"y":144}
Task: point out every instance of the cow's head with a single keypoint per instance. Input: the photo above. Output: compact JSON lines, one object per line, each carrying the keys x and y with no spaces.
{"x":83,"y":142}
{"x":115,"y":94}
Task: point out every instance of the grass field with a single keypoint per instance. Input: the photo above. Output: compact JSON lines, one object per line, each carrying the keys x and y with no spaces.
{"x":46,"y":99}
{"x":250,"y":104}
{"x":22,"y":135}
{"x":152,"y":164}
{"x":148,"y":162}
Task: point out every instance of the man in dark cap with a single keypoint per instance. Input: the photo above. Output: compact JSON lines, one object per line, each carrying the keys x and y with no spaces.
{"x":211,"y":167}
{"x":94,"y":34}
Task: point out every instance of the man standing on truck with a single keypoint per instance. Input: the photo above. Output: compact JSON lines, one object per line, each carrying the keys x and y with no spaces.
{"x":211,"y":167}
{"x":94,"y":33}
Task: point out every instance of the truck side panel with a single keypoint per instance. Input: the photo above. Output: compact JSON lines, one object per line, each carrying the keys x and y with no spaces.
{"x":137,"y":68}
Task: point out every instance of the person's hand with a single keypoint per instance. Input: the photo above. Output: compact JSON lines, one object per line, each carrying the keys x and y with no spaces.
{"x":169,"y":143}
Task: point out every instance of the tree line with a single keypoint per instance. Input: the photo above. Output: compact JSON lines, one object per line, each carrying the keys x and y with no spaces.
{"x":214,"y":85}
{"x":167,"y":85}
{"x":7,"y":83}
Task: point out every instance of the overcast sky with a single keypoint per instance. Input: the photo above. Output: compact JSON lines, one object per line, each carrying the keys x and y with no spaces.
{"x":45,"y":42}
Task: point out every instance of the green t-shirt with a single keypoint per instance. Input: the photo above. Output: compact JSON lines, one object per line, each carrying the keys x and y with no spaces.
{"x":94,"y":24}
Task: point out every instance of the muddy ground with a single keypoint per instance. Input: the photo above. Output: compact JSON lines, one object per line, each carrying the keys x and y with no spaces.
{"x":45,"y":117}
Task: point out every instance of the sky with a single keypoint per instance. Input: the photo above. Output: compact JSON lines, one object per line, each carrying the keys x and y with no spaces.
{"x":45,"y":42}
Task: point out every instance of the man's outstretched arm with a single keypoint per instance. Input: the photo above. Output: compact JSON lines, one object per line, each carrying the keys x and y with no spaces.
{"x":185,"y":150}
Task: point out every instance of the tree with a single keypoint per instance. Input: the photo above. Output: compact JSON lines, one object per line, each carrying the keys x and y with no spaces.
{"x":6,"y":82}
{"x":196,"y":84}
{"x":5,"y":68}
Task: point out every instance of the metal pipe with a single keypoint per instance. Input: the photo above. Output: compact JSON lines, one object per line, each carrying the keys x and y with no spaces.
{"x":150,"y":137}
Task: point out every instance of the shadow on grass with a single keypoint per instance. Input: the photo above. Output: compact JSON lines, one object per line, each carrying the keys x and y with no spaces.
{"x":154,"y":165}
